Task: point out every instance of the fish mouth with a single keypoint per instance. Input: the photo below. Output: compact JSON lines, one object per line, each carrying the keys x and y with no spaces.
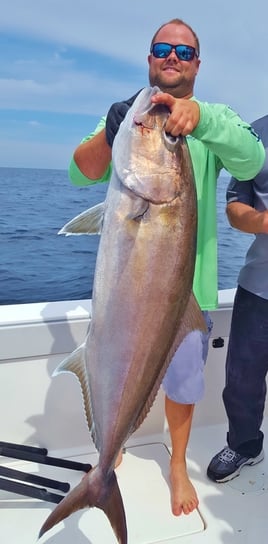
{"x":144,"y":119}
{"x":147,"y":119}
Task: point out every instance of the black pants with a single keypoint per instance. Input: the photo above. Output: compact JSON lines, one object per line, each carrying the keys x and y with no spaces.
{"x":246,"y":367}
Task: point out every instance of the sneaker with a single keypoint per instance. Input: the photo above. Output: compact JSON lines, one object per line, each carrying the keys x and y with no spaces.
{"x":227,"y":464}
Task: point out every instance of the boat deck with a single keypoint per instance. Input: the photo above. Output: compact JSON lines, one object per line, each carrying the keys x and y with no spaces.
{"x":230,"y":513}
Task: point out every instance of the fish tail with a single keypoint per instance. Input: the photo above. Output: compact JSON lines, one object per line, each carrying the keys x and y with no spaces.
{"x":93,"y":490}
{"x":113,"y":507}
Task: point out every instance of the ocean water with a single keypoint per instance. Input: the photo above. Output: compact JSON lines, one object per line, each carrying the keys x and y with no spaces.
{"x":37,"y":265}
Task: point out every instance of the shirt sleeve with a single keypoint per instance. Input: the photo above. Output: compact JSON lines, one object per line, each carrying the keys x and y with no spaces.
{"x":239,"y":191}
{"x":237,"y":147}
{"x":75,"y":174}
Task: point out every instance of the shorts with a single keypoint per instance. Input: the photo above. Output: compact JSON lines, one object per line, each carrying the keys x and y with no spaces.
{"x":184,"y":379}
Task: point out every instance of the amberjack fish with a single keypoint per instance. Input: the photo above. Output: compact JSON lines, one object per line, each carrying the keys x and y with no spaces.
{"x":142,"y":302}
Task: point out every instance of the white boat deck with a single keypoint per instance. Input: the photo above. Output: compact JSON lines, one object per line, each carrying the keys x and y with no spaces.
{"x":37,"y":409}
{"x":230,"y":513}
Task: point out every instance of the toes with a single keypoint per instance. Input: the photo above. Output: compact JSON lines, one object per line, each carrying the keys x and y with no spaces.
{"x":190,"y":506}
{"x":177,"y":509}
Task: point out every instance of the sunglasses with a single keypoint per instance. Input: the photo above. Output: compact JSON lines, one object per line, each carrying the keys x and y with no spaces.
{"x":183,"y":52}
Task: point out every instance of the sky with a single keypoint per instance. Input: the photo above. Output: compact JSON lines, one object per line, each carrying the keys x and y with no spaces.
{"x":63,"y":63}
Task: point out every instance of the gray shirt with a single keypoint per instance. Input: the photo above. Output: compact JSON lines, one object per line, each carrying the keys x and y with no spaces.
{"x":254,"y":274}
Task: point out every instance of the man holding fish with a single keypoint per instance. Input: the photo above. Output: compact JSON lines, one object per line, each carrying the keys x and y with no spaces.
{"x":217,"y":138}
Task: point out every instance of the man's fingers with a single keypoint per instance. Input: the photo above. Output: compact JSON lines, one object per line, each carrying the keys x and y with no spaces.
{"x":163,"y":98}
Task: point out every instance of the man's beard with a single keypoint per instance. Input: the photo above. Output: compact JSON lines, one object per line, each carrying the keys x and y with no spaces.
{"x":177,"y":88}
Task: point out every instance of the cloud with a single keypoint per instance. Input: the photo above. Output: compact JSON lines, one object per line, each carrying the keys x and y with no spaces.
{"x":80,"y":94}
{"x":34,"y":123}
{"x":76,"y":58}
{"x":125,"y":30}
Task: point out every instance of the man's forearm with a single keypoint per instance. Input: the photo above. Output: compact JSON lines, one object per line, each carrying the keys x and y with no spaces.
{"x":93,"y":156}
{"x":245,"y":218}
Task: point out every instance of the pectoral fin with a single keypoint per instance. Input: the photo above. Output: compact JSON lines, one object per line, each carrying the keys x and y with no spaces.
{"x":87,"y":222}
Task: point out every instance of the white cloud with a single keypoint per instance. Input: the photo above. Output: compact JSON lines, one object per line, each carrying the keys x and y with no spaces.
{"x":233,"y":53}
{"x":69,"y":93}
{"x":34,"y":123}
{"x":125,"y":29}
{"x":232,"y":35}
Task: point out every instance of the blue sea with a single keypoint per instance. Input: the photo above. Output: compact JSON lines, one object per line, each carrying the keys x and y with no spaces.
{"x":37,"y":265}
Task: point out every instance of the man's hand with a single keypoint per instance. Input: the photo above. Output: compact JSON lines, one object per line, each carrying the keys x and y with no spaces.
{"x":115,"y":116}
{"x":184,"y":113}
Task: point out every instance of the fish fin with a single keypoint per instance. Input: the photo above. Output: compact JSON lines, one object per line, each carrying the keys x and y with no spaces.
{"x":193,"y":319}
{"x":88,"y":222}
{"x":75,"y":364}
{"x":93,"y":490}
{"x":114,"y":509}
{"x":76,"y":499}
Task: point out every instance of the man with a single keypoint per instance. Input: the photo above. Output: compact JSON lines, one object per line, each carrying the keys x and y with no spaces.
{"x":247,"y":358}
{"x":217,"y":138}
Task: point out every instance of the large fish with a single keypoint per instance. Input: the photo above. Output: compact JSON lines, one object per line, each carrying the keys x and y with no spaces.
{"x":142,"y":303}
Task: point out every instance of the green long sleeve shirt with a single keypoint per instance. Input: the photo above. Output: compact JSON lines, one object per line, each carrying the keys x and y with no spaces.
{"x":220,"y":140}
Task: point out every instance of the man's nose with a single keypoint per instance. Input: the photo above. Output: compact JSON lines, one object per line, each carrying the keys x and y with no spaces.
{"x":173,"y":54}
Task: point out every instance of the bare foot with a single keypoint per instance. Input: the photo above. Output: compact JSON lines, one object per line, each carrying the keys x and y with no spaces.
{"x":183,"y":495}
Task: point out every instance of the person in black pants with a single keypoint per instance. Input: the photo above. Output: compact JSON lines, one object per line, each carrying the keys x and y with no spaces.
{"x":244,"y":393}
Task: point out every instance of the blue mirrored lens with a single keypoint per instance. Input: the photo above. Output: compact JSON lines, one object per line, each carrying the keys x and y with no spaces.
{"x":163,"y":50}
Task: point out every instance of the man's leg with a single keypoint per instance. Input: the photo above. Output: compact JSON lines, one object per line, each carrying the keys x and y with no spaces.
{"x":245,"y":387}
{"x":183,"y":494}
{"x":184,"y":386}
{"x":246,"y":368}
